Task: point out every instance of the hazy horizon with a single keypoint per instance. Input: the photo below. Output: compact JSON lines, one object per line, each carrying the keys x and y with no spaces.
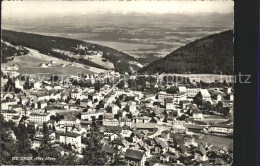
{"x":140,"y":29}
{"x":47,"y":9}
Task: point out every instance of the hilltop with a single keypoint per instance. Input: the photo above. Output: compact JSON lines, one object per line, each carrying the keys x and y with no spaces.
{"x":210,"y":55}
{"x":71,"y":50}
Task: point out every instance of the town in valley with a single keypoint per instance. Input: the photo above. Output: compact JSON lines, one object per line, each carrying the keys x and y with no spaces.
{"x":118,"y":119}
{"x":136,"y":83}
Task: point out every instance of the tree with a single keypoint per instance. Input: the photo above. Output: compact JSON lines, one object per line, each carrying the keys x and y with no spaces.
{"x":22,"y":137}
{"x":68,"y":159}
{"x":109,"y":109}
{"x":118,"y":102}
{"x":47,"y":150}
{"x":78,"y":102}
{"x":198,"y":99}
{"x":78,"y":115}
{"x":94,"y":124}
{"x":152,"y":114}
{"x":130,"y":116}
{"x":61,"y":116}
{"x":172,"y":90}
{"x":121,"y":84}
{"x":9,"y":147}
{"x":93,"y":154}
{"x":219,"y":107}
{"x":207,"y":105}
{"x":69,"y":146}
{"x":97,"y":86}
{"x":225,"y":111}
{"x":45,"y":131}
{"x":53,"y":117}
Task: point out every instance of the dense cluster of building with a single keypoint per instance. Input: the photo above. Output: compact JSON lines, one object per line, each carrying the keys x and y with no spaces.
{"x":157,"y":128}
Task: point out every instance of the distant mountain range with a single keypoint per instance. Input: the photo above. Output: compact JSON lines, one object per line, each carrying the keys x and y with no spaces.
{"x":213,"y":54}
{"x":72,"y":50}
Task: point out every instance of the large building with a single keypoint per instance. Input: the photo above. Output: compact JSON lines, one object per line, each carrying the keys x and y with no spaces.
{"x":179,"y":97}
{"x":70,"y":138}
{"x":221,"y":129}
{"x":9,"y":114}
{"x":109,"y":120}
{"x":88,"y":115}
{"x":6,"y":104}
{"x":162,"y":95}
{"x":39,"y":117}
{"x":192,"y":92}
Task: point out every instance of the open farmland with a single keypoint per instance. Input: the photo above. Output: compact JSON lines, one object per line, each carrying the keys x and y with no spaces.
{"x":217,"y":141}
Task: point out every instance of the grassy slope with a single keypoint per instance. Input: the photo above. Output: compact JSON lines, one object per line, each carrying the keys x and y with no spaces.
{"x":212,"y":54}
{"x":45,"y":44}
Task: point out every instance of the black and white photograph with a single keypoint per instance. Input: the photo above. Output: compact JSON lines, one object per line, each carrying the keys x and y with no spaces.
{"x":137,"y":83}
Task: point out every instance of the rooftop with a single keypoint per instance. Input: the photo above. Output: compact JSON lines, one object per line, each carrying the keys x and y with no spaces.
{"x":144,"y":125}
{"x":205,"y":93}
{"x":38,"y":114}
{"x":168,"y":100}
{"x":134,"y":154}
{"x":68,"y":134}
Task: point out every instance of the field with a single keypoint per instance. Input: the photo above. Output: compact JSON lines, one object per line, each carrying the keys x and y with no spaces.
{"x":121,"y":46}
{"x":30,"y":64}
{"x":217,"y":141}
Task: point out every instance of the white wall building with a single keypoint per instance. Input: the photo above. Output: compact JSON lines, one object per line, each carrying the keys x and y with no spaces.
{"x":39,"y":117}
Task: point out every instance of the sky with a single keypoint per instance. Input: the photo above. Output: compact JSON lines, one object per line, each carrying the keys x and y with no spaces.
{"x":43,"y":9}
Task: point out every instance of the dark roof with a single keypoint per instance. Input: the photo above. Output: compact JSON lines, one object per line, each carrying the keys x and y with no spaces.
{"x":168,"y":100}
{"x":165,"y":155}
{"x":9,"y":111}
{"x":69,"y":134}
{"x":195,"y":127}
{"x":138,"y":134}
{"x":160,"y":142}
{"x":222,"y":125}
{"x":193,"y":109}
{"x":16,"y":117}
{"x":197,"y":111}
{"x":111,"y":129}
{"x":38,"y":114}
{"x":143,"y":125}
{"x":134,"y":154}
{"x":125,"y":127}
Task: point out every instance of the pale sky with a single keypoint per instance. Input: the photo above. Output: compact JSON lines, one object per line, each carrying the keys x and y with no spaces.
{"x":38,"y":9}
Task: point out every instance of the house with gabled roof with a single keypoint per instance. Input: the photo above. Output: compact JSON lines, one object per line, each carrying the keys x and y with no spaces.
{"x":165,"y":157}
{"x":108,"y":149}
{"x":135,"y":157}
{"x":205,"y":95}
{"x":200,"y":154}
{"x":70,"y":138}
{"x":195,"y":112}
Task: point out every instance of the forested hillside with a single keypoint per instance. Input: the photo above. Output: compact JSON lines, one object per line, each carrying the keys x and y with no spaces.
{"x":213,"y":54}
{"x":47,"y":45}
